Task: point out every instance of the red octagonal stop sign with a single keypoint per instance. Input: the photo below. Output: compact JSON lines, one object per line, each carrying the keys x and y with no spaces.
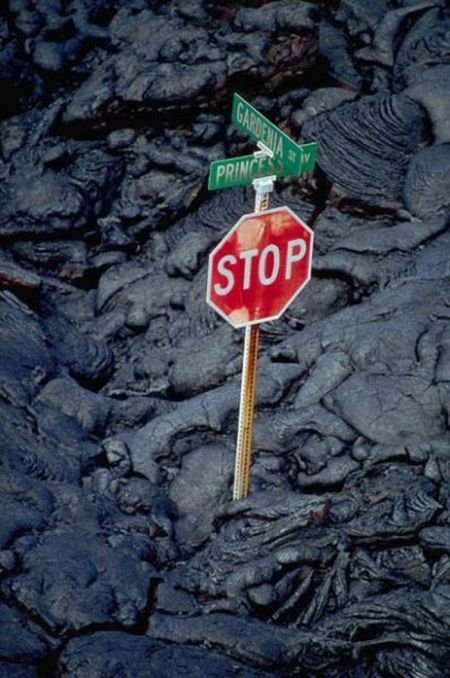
{"x":260,"y":266}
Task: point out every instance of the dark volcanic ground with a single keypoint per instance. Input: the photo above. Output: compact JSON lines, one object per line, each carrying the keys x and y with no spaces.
{"x":121,"y":554}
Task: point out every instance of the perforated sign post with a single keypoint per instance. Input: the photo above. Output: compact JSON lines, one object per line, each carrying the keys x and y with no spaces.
{"x":261,"y":265}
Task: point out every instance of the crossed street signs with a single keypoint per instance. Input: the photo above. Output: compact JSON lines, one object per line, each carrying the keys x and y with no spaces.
{"x":289,"y":158}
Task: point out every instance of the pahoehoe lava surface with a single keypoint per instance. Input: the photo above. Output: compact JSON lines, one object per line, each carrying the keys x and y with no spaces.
{"x":121,"y":552}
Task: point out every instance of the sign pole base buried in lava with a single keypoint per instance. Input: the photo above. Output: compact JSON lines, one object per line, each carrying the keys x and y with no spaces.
{"x":262,"y":187}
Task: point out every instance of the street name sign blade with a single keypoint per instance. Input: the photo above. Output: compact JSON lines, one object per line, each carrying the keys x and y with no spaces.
{"x":308,"y":156}
{"x":259,"y":267}
{"x":242,"y":169}
{"x":259,"y":128}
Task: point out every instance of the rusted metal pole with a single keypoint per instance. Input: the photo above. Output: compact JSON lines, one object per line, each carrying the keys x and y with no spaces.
{"x":247,"y":406}
{"x":262,"y":187}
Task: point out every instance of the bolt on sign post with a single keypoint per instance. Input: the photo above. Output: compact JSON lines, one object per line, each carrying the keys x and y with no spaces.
{"x":264,"y":261}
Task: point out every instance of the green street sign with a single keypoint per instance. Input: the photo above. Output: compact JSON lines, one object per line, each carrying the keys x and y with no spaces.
{"x":243,"y":169}
{"x":259,"y":128}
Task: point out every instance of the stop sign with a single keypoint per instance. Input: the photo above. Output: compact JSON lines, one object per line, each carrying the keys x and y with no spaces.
{"x":260,"y":266}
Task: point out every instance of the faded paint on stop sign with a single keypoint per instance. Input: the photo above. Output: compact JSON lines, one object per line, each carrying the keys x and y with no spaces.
{"x":260,"y":266}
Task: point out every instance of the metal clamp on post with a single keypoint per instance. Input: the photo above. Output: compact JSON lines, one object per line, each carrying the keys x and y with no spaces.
{"x":263,"y":187}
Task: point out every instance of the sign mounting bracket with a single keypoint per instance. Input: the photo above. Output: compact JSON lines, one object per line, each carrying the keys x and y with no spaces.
{"x":264,"y":151}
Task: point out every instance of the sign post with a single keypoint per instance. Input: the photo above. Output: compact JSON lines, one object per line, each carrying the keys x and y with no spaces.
{"x":263,"y":188}
{"x":261,"y":265}
{"x":246,"y":410}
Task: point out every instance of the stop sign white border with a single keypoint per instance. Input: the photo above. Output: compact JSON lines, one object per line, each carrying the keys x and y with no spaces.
{"x":252,"y":215}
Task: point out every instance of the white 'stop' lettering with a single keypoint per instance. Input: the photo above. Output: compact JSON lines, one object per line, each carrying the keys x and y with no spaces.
{"x":271,"y":262}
